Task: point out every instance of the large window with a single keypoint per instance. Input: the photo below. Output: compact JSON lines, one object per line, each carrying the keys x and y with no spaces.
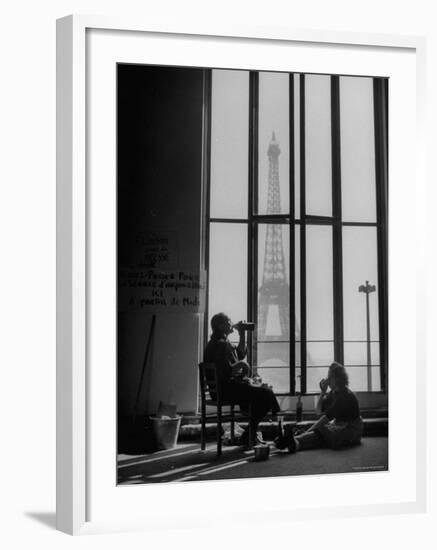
{"x":297,"y":222}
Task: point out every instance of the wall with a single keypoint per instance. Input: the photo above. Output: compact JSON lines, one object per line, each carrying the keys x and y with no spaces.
{"x":159,"y":192}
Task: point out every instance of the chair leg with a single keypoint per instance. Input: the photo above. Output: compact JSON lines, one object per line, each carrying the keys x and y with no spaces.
{"x":232,"y":425}
{"x":219,"y":431}
{"x":203,"y":427}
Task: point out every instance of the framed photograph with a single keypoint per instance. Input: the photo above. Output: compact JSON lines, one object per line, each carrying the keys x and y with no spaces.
{"x":240,"y":274}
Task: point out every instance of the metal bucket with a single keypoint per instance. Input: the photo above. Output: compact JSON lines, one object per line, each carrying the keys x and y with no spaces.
{"x":166,"y":431}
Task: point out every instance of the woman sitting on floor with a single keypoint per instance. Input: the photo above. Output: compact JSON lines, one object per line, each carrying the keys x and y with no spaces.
{"x":340,"y":423}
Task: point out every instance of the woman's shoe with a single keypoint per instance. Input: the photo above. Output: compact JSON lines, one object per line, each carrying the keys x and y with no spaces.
{"x":280,"y":441}
{"x":290,"y":442}
{"x":257,"y":440}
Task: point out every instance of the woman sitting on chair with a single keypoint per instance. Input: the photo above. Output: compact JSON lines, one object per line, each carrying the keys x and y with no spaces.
{"x":233,"y":372}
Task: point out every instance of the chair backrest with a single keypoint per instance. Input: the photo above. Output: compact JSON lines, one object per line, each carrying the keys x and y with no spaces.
{"x":209,"y":381}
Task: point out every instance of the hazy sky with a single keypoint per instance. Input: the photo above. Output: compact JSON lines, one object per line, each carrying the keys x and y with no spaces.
{"x":274,"y":111}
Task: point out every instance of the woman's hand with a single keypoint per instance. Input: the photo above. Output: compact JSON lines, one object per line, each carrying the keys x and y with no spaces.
{"x":324,"y":383}
{"x":241,"y":367}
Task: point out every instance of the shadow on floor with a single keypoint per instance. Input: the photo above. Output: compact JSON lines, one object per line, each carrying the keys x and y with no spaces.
{"x":46,"y":518}
{"x":189,"y":463}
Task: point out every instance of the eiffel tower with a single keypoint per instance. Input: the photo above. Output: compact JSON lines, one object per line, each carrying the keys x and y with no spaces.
{"x":274,"y":294}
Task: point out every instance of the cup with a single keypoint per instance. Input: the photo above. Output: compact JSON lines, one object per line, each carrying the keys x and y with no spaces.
{"x":245,"y":326}
{"x":261,"y":452}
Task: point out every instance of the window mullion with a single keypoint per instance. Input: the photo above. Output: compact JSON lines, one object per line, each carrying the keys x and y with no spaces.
{"x":303,"y":346}
{"x":380,"y":96}
{"x":292,"y":276}
{"x":252,"y":233}
{"x":337,"y":249}
{"x":206,"y":174}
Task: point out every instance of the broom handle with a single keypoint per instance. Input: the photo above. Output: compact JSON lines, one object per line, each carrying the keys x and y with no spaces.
{"x":143,"y":371}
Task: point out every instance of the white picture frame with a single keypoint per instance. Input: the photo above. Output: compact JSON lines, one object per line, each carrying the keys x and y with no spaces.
{"x":75,"y":348}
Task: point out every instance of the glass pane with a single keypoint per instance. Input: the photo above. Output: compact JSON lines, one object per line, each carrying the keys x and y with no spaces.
{"x":355,"y":353}
{"x":358,"y":188}
{"x":314,"y":375}
{"x":297,"y":281}
{"x":298,"y":380}
{"x":296,"y":80}
{"x":274,"y":144}
{"x":319,"y":289}
{"x":278,"y":378}
{"x":273,"y":282}
{"x":320,"y":354}
{"x":274,"y":354}
{"x":228,"y":286}
{"x":229,"y":144}
{"x":359,"y":266}
{"x":318,"y":145}
{"x":297,"y":353}
{"x":358,"y":379}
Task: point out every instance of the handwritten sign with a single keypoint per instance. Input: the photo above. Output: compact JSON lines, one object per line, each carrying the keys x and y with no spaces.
{"x":156,"y":249}
{"x":162,"y":290}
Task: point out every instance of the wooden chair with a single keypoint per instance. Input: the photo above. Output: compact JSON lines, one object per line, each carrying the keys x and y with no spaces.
{"x":210,"y":394}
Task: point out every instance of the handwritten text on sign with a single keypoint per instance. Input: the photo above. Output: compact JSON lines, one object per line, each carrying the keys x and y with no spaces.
{"x":156,"y":250}
{"x":157,"y":289}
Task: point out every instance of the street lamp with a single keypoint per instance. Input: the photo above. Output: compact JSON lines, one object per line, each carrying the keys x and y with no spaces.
{"x":367,"y":289}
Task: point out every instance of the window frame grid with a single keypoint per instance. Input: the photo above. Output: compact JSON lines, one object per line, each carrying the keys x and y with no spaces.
{"x":253,"y":220}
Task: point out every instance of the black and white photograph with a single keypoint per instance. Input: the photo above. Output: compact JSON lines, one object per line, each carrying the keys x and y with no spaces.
{"x":252,"y":274}
{"x":219,"y":259}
